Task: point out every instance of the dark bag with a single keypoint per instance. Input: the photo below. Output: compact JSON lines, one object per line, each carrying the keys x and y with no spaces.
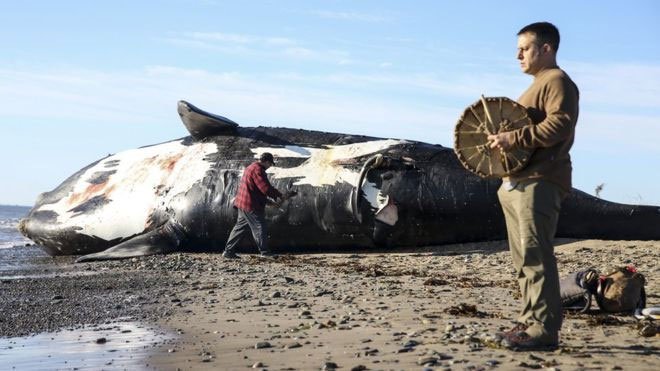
{"x":577,"y":289}
{"x":621,"y":290}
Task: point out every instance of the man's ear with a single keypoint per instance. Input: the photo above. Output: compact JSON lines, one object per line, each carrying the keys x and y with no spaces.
{"x":546,"y":48}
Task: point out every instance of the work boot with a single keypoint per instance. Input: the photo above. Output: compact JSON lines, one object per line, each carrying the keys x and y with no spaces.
{"x":518,"y":327}
{"x":267,"y":255}
{"x":230,"y":255}
{"x":522,"y":341}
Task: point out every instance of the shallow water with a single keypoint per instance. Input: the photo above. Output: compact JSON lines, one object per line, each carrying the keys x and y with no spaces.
{"x":45,"y":275}
{"x":10,"y":216}
{"x":123,"y":345}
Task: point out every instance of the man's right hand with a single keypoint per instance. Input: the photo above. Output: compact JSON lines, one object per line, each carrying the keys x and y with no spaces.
{"x":503,"y":141}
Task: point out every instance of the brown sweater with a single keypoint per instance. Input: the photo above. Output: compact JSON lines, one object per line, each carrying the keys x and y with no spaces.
{"x":552,"y":104}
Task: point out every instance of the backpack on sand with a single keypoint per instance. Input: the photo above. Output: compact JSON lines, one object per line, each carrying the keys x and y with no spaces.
{"x":620,"y":290}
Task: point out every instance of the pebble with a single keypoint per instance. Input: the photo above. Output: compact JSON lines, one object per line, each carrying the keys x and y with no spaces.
{"x":101,"y":341}
{"x":534,"y":357}
{"x":529,"y":365}
{"x":492,"y":362}
{"x":427,"y":361}
{"x":370,"y":352}
{"x":262,"y":345}
{"x":293,"y":345}
{"x":276,"y":294}
{"x":475,"y":347}
{"x":649,"y":330}
{"x":411,"y":344}
{"x":257,"y":365}
{"x":329,"y":366}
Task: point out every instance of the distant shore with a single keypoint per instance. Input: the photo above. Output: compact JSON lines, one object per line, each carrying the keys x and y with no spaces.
{"x":437,"y":307}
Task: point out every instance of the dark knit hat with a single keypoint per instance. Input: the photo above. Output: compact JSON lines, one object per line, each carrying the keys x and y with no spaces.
{"x":267,"y":157}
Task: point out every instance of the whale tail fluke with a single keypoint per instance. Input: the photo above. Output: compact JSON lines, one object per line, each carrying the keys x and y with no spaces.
{"x":586,"y":216}
{"x":162,"y":240}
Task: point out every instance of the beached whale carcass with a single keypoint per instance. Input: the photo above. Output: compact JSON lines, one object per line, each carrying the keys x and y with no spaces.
{"x":353,"y":192}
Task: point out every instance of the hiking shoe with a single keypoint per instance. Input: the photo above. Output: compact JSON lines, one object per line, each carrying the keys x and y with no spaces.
{"x":230,"y":255}
{"x":518,"y":327}
{"x":521,"y":341}
{"x":267,"y":255}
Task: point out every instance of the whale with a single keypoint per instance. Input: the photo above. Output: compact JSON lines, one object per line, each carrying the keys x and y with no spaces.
{"x":353,"y":192}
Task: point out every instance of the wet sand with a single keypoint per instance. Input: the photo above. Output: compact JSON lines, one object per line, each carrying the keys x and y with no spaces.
{"x":435,"y":308}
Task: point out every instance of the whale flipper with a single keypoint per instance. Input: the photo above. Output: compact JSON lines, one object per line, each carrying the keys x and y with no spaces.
{"x":201,"y":124}
{"x":162,"y":240}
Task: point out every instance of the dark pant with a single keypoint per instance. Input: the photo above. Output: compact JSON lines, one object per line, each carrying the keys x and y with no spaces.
{"x":248,"y":221}
{"x":531,"y":211}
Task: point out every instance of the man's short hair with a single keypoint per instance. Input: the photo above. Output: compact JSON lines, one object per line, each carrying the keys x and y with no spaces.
{"x":267,"y":157}
{"x":546,"y":33}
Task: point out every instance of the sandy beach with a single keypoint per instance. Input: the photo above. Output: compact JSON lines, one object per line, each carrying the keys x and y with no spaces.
{"x":435,"y":308}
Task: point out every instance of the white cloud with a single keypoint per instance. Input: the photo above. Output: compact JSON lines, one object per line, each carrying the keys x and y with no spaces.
{"x":622,"y":86}
{"x":150,"y":95}
{"x":257,"y":46}
{"x":349,"y":100}
{"x":222,"y":37}
{"x":617,"y":133}
{"x":279,"y":41}
{"x":299,"y":52}
{"x":459,"y":85}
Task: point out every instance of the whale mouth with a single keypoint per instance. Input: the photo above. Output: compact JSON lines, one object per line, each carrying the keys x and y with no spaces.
{"x":388,"y":212}
{"x":357,"y":193}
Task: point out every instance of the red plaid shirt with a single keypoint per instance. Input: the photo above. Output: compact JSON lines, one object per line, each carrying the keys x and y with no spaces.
{"x":254,"y":188}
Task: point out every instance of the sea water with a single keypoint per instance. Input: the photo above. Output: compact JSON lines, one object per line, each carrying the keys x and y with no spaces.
{"x":120,"y":345}
{"x":10,"y":216}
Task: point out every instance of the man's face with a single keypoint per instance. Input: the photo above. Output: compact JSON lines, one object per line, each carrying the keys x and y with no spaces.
{"x":529,"y":53}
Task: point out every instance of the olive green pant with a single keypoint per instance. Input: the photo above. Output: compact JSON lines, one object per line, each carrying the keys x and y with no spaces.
{"x":531,"y":211}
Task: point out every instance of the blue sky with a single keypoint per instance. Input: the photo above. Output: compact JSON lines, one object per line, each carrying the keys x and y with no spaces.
{"x":82,"y":79}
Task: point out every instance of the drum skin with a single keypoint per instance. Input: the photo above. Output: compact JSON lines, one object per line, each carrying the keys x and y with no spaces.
{"x":487,"y":116}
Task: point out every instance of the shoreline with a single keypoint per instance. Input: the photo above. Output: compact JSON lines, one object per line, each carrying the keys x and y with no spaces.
{"x":398,"y":310}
